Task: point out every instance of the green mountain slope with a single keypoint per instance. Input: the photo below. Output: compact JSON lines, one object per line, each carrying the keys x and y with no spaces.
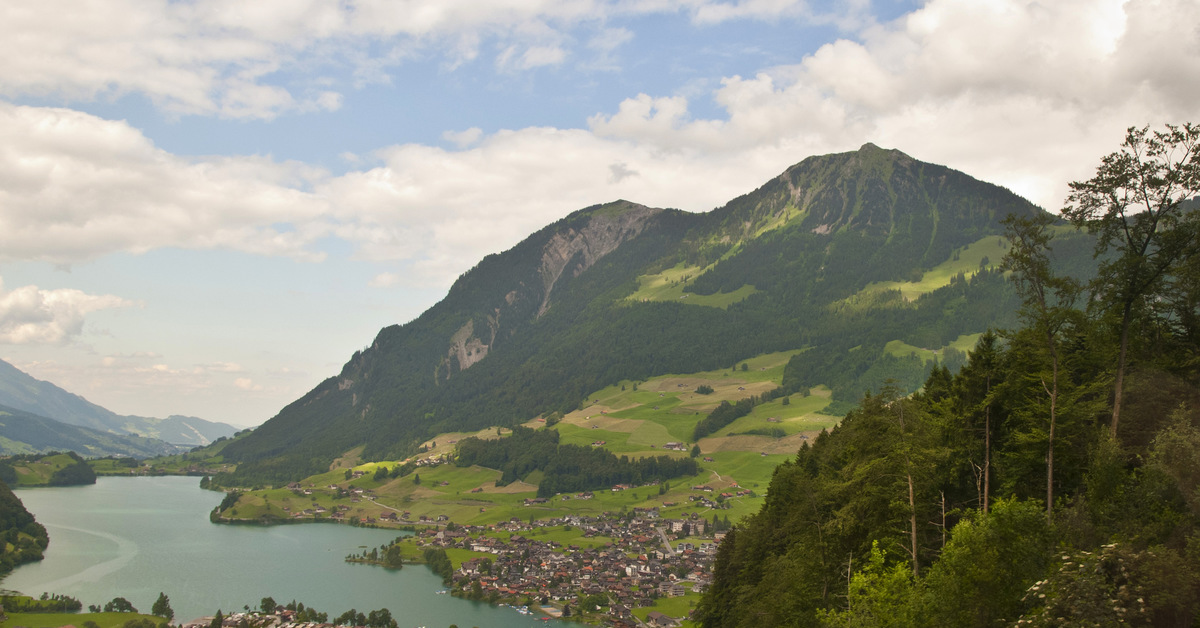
{"x":570,"y":309}
{"x":23,"y":392}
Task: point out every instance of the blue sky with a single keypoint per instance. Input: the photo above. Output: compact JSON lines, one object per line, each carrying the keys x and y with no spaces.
{"x":206,"y":206}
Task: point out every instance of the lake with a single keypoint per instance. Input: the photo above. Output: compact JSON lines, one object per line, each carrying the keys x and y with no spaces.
{"x":135,"y":537}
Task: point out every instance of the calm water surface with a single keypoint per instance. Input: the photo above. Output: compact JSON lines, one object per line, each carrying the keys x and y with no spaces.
{"x":135,"y":537}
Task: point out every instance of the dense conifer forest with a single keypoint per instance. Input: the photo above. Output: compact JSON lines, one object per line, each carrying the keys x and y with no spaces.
{"x":567,"y":468}
{"x":1053,"y":481}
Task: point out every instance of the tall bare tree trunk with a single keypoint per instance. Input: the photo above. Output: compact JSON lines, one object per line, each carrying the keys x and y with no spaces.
{"x":987,"y":448}
{"x":1053,"y":392}
{"x":912,"y":506}
{"x":1119,"y":384}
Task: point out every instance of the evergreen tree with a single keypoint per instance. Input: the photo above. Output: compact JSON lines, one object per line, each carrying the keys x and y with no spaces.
{"x":162,"y":607}
{"x":1136,"y":203}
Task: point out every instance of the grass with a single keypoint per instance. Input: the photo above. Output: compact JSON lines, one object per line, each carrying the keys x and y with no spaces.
{"x":669,"y":284}
{"x":901,"y":349}
{"x":632,"y":422}
{"x":53,"y":620}
{"x":110,"y":466}
{"x":38,"y":472}
{"x":969,"y":259}
{"x":677,"y":607}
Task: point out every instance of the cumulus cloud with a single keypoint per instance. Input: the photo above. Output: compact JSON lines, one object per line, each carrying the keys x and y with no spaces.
{"x":230,"y":58}
{"x":247,"y":384}
{"x":74,"y":187}
{"x":29,"y":315}
{"x":463,"y":139}
{"x":1025,"y":94}
{"x":384,"y":280}
{"x":1022,"y":93}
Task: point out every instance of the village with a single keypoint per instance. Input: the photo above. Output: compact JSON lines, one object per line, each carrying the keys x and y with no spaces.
{"x":642,"y":559}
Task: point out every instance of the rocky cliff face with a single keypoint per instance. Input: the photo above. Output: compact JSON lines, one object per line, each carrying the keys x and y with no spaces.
{"x":581,"y":241}
{"x":578,"y":250}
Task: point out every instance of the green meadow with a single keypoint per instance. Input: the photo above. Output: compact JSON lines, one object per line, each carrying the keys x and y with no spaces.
{"x":967,"y":260}
{"x":54,"y":620}
{"x":631,"y":418}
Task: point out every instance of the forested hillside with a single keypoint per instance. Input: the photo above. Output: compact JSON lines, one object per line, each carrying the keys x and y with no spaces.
{"x":24,"y":538}
{"x":1053,"y":481}
{"x":622,"y":291}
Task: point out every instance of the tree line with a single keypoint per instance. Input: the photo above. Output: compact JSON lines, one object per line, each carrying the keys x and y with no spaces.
{"x":1052,"y":481}
{"x":567,"y":468}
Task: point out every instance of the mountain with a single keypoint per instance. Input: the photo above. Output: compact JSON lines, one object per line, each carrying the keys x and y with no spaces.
{"x":857,"y":257}
{"x":25,"y":433}
{"x":22,"y":392}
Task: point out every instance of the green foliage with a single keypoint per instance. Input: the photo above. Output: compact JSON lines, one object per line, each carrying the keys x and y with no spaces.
{"x":381,"y":618}
{"x":722,"y":415}
{"x":162,"y":607}
{"x":568,"y":468}
{"x":1117,"y":585}
{"x":25,"y":538}
{"x":439,"y":563}
{"x":119,"y":605}
{"x":704,"y":389}
{"x":879,"y":596}
{"x":48,"y":603}
{"x":73,"y":474}
{"x":1140,"y":204}
{"x":910,"y":476}
{"x":987,"y":565}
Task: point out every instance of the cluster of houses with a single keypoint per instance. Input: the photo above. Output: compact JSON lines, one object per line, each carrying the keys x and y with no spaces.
{"x":639,"y":565}
{"x":280,"y":619}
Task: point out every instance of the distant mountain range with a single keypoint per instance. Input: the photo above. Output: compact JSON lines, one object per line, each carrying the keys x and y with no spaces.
{"x":37,"y":416}
{"x":866,"y":260}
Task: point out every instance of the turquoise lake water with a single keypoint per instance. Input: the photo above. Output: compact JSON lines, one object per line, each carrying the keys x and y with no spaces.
{"x":135,"y":537}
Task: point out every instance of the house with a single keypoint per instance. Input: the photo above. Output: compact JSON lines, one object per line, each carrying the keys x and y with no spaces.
{"x":655,"y":618}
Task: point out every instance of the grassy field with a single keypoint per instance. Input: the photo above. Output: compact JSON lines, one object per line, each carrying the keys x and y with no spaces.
{"x":53,"y":620}
{"x":633,"y":418}
{"x":113,"y":466}
{"x":969,"y":260}
{"x":38,"y":472}
{"x":669,"y":284}
{"x":677,"y":607}
{"x":900,"y":349}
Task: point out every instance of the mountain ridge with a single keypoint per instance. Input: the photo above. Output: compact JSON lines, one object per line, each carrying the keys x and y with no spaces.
{"x":532,"y":330}
{"x":21,"y":391}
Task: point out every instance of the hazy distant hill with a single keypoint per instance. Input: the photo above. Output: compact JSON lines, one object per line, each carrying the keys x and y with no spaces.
{"x":25,"y":433}
{"x":21,"y":391}
{"x":820,"y":257}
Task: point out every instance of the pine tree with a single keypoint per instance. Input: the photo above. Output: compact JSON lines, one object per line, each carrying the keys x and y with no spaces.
{"x":162,"y":607}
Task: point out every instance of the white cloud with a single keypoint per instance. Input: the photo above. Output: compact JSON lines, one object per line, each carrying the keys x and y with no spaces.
{"x":1021,"y":93}
{"x":74,"y":187}
{"x":463,"y":139}
{"x":247,"y":384}
{"x":384,"y":280}
{"x":230,"y":58}
{"x":1024,"y":94}
{"x":29,"y":315}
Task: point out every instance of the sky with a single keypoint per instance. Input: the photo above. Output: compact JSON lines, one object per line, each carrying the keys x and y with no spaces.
{"x":206,"y":206}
